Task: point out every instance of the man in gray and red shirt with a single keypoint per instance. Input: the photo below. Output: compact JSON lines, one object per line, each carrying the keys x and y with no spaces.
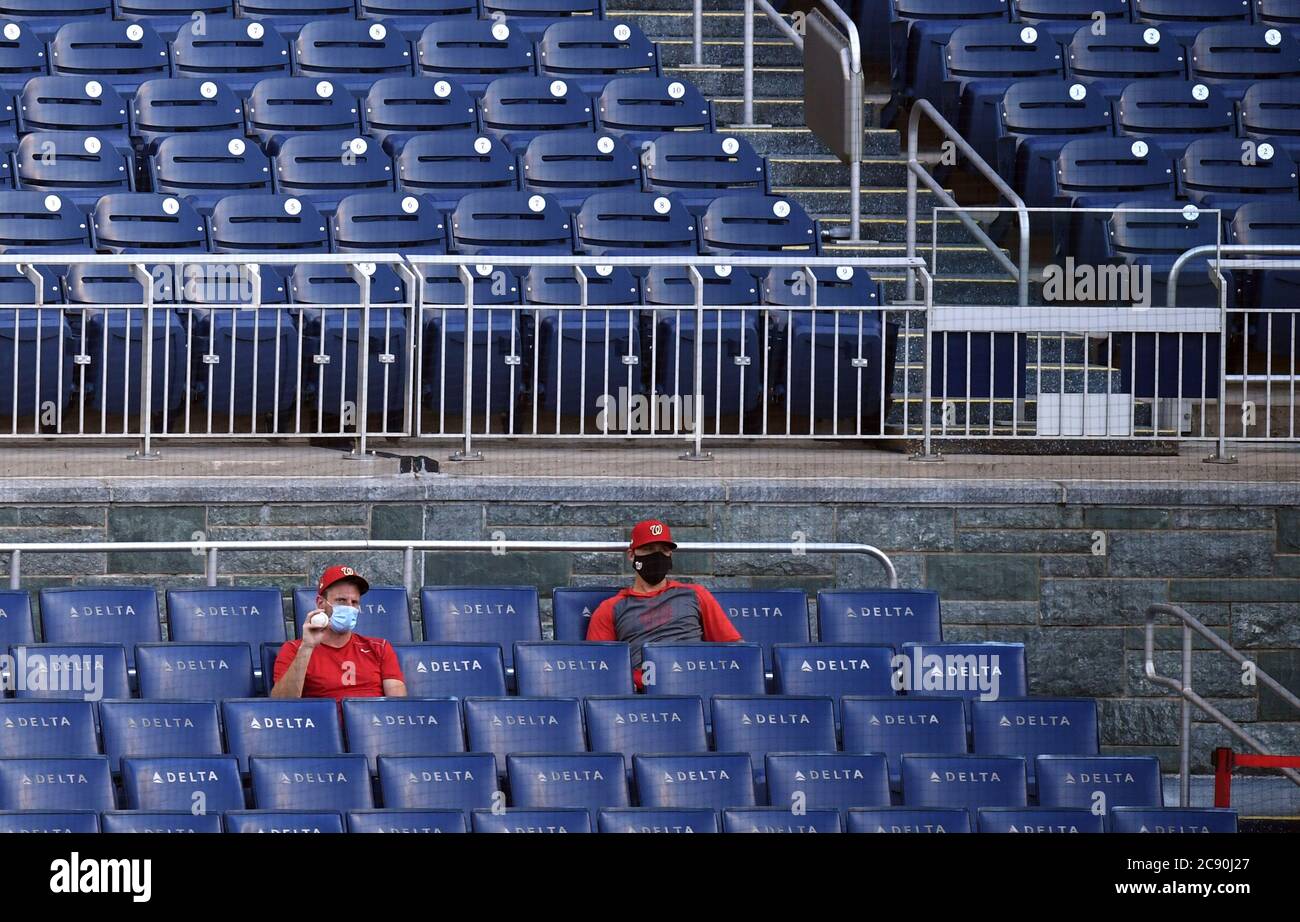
{"x":656,"y":608}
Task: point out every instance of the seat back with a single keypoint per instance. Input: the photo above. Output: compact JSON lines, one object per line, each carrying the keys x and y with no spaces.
{"x":133,"y":729}
{"x":364,"y":51}
{"x":1088,"y":166}
{"x":1099,"y":782}
{"x":403,"y":106}
{"x":843,"y":286}
{"x":22,"y":56}
{"x":522,"y":819}
{"x":505,"y":725}
{"x":465,"y":781}
{"x":170,"y":783}
{"x":260,"y":223}
{"x":505,"y":222}
{"x":284,"y":821}
{"x":440,"y":669}
{"x":1272,"y":109}
{"x":964,"y":781}
{"x":83,"y":784}
{"x":473,"y":51}
{"x":402,"y":726}
{"x":1126,"y":51}
{"x":651,"y":106}
{"x":1171,"y":819}
{"x":387,"y":221}
{"x":780,"y":819}
{"x":629,"y":222}
{"x":195,"y":671}
{"x":288,"y":105}
{"x":338,"y":782}
{"x":72,"y":104}
{"x":81,"y":821}
{"x":593,"y":50}
{"x":414,"y":14}
{"x":703,"y":669}
{"x":447,"y":166}
{"x":835,"y":780}
{"x":123,"y":54}
{"x":898,"y":724}
{"x":776,"y":723}
{"x":965,"y":670}
{"x":1194,"y":15}
{"x":235,"y":52}
{"x":325,"y":168}
{"x":1241,"y":53}
{"x":632,"y":724}
{"x":701,"y":165}
{"x":673,"y":286}
{"x":413,"y":821}
{"x":559,"y":286}
{"x":78,"y":165}
{"x":716,"y":780}
{"x":572,"y":606}
{"x":879,"y":616}
{"x":832,"y":669}
{"x":33,"y":729}
{"x":649,"y":819}
{"x":555,"y":669}
{"x":1053,"y":107}
{"x":1161,"y":107}
{"x":281,"y":727}
{"x":16,"y":616}
{"x":1038,"y":819}
{"x":248,"y":614}
{"x":910,"y":819}
{"x":206,"y":168}
{"x":585,"y":779}
{"x":1266,"y":223}
{"x":748,"y":225}
{"x":1218,"y":165}
{"x":100,"y":614}
{"x":767,"y":616}
{"x":40,"y":219}
{"x":147,"y":221}
{"x":527,"y":105}
{"x":1159,"y":236}
{"x":1001,"y":50}
{"x":1032,"y":726}
{"x":572,"y":164}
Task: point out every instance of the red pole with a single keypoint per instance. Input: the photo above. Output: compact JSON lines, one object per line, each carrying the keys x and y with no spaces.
{"x":1223,"y":765}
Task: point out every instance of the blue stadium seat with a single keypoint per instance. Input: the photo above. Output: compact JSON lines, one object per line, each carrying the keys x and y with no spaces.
{"x":160,"y":821}
{"x":643,"y":108}
{"x":572,"y":606}
{"x":56,"y":784}
{"x":34,"y":341}
{"x":399,"y":108}
{"x":704,"y":669}
{"x":1155,"y":238}
{"x":36,"y":219}
{"x":323,"y":169}
{"x":248,"y":614}
{"x":1062,"y":18}
{"x":966,"y":670}
{"x":281,"y":727}
{"x":1170,"y":114}
{"x":591,"y":52}
{"x":571,"y":165}
{"x":473,"y":52}
{"x":1267,"y":223}
{"x":759,"y":725}
{"x":505,"y":725}
{"x":1127,"y":52}
{"x":481,"y":614}
{"x":587,"y":779}
{"x":195,"y":671}
{"x":73,"y":104}
{"x":753,"y":225}
{"x":136,"y":221}
{"x":1234,"y":57}
{"x":21,"y":57}
{"x":518,"y":109}
{"x":897,"y":725}
{"x":1270,"y":110}
{"x":919,"y":30}
{"x":171,"y":783}
{"x":291,"y":15}
{"x":979,"y":62}
{"x":879,"y":616}
{"x":1184,"y":19}
{"x":1037,"y":118}
{"x":910,"y":819}
{"x":767,"y":616}
{"x":672,"y":286}
{"x":444,"y":167}
{"x":351,"y":52}
{"x":497,"y":336}
{"x":283,"y":821}
{"x":46,"y":18}
{"x":582,"y":357}
{"x":650,"y":819}
{"x":635,"y":223}
{"x":402,"y":726}
{"x":557,"y":819}
{"x":34,"y":729}
{"x":833,"y":670}
{"x":257,"y":223}
{"x":171,"y":16}
{"x":534,"y":16}
{"x":1172,"y":819}
{"x":1281,"y":13}
{"x":81,"y":821}
{"x":828,"y":780}
{"x":385,"y":612}
{"x":780,"y":819}
{"x":153,"y":729}
{"x":73,"y":667}
{"x":16,"y":616}
{"x":279,"y":106}
{"x":733,"y":347}
{"x":434,"y":670}
{"x":510,"y":223}
{"x":101,"y":614}
{"x":1213,"y":174}
{"x":1033,"y":726}
{"x":407,"y":821}
{"x":117,"y":53}
{"x":634,"y":724}
{"x":557,"y":286}
{"x":716,"y":780}
{"x":204,"y":169}
{"x":699,"y":166}
{"x":438,"y":782}
{"x":412,"y":16}
{"x":964,"y":781}
{"x":235,"y":52}
{"x":1038,"y":819}
{"x":387,"y":221}
{"x":1099,"y":782}
{"x":550,"y":669}
{"x":310,"y":782}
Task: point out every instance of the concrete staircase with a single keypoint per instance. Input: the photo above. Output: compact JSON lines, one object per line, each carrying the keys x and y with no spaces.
{"x":803,"y":168}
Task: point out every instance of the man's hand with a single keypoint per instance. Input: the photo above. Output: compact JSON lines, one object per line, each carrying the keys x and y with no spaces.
{"x":312,"y":635}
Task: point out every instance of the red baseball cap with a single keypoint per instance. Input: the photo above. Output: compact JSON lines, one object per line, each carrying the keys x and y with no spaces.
{"x":651,"y":531}
{"x":337,"y":572}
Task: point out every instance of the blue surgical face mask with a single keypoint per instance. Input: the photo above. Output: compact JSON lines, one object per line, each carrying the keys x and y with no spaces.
{"x":344,"y":618}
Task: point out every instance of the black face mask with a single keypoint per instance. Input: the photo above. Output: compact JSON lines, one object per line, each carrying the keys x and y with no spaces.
{"x":653,"y":567}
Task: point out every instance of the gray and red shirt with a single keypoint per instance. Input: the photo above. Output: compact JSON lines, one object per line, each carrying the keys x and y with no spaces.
{"x":673,"y":612}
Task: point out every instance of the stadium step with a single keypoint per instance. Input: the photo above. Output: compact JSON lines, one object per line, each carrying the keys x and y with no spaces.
{"x":952,"y":259}
{"x":729,"y":52}
{"x":659,"y":24}
{"x":769,"y":82}
{"x":878,"y":142}
{"x":829,"y":200}
{"x":788,"y":170}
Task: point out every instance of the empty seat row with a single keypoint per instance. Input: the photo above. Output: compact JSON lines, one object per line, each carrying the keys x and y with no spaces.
{"x":588,"y":781}
{"x":638,"y":820}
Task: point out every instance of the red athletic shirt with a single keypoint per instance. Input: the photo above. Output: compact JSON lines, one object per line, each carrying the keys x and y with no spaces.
{"x":355,"y":670}
{"x":671,"y":612}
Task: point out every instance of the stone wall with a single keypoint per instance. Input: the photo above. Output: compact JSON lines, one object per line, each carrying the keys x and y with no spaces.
{"x":1067,"y":570}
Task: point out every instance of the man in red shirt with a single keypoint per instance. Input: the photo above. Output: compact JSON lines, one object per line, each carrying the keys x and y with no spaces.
{"x":332,"y":660}
{"x":657,"y":608}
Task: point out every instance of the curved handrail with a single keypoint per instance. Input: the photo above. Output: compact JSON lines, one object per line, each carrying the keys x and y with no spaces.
{"x":1276,"y":249}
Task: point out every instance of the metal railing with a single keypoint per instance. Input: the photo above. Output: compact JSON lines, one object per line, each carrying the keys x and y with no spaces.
{"x":853,"y":79}
{"x":211,"y":551}
{"x":374,"y":367}
{"x":917,"y":171}
{"x":1189,"y":697}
